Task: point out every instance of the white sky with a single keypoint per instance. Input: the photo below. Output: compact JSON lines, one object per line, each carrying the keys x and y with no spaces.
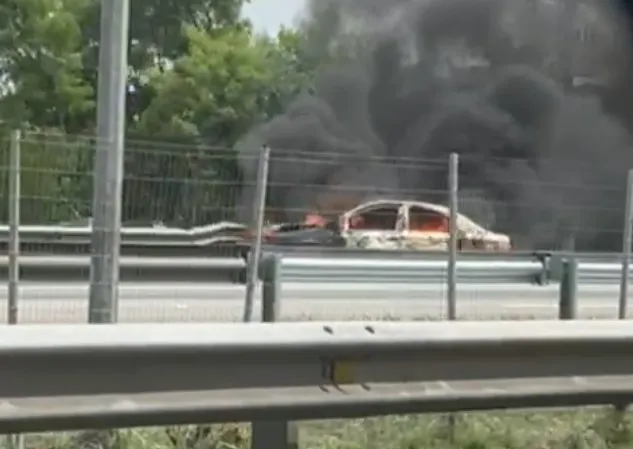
{"x":269,"y":15}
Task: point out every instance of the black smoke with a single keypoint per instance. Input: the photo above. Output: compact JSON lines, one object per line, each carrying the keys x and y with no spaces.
{"x":492,"y":80}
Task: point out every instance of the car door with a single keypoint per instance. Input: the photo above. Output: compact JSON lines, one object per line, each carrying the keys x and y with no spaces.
{"x":426,"y":230}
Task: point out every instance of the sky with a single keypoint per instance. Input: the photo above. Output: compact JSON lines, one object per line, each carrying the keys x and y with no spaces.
{"x":269,"y":15}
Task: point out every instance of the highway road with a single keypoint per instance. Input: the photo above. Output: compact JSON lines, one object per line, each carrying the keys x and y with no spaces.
{"x":67,"y":302}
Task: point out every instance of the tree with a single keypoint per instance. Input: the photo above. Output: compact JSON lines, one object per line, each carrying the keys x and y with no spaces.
{"x":198,"y":79}
{"x":210,"y":97}
{"x":227,"y":82}
{"x":40,"y":47}
{"x":55,"y":176}
{"x":156,"y":38}
{"x":156,"y":26}
{"x":44,"y":92}
{"x":213,"y":91}
{"x":292,"y":70}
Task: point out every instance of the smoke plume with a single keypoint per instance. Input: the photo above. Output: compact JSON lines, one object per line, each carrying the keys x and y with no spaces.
{"x":489,"y":79}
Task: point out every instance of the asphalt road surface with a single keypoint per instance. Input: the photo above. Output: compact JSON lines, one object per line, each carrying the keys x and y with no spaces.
{"x":169,"y":302}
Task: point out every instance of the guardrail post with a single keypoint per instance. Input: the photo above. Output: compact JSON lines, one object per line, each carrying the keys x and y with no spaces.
{"x":568,"y":301}
{"x":273,"y":434}
{"x":271,"y":280}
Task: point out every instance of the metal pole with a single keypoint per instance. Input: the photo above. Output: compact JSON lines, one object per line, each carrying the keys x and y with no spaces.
{"x":273,"y":434}
{"x":568,"y":290}
{"x":271,"y":288}
{"x":108,"y":175}
{"x":259,"y":205}
{"x":451,"y":279}
{"x":453,"y":186}
{"x":627,"y":235}
{"x":14,"y":226}
{"x":15,"y":441}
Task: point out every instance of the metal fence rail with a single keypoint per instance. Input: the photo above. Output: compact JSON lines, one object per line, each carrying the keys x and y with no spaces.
{"x":151,"y":235}
{"x":345,"y":270}
{"x":66,"y":377}
{"x":137,"y":269}
{"x":421,"y":269}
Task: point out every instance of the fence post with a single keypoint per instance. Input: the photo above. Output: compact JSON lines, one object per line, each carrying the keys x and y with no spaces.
{"x":568,"y":300}
{"x":14,"y":226}
{"x":451,"y":278}
{"x":273,"y":434}
{"x":627,"y":235}
{"x":14,"y":441}
{"x":259,"y":206}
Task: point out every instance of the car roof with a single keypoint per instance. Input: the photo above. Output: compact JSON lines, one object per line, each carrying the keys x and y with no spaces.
{"x":463,"y":220}
{"x":389,"y":202}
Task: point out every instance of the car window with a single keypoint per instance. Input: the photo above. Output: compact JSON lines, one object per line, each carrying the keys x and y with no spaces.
{"x":376,"y":219}
{"x":421,"y":219}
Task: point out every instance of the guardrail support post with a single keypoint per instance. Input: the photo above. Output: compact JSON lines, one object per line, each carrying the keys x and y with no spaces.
{"x":273,"y":434}
{"x":271,"y":280}
{"x":568,"y":301}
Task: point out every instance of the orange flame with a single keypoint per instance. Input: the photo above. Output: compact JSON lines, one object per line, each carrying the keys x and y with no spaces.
{"x":316,"y":220}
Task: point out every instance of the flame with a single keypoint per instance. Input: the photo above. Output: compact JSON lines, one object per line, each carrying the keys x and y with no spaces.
{"x":430,"y":224}
{"x":316,"y":220}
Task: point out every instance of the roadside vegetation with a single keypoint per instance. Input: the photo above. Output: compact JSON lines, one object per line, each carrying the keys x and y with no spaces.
{"x":570,"y":429}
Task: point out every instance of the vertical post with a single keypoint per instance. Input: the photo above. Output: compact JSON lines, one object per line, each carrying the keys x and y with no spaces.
{"x":627,"y":234}
{"x":453,"y":237}
{"x":451,"y":279}
{"x":568,"y":298}
{"x":14,"y":441}
{"x":108,"y":170}
{"x":273,"y":434}
{"x":271,"y":288}
{"x":259,"y":205}
{"x":14,"y":227}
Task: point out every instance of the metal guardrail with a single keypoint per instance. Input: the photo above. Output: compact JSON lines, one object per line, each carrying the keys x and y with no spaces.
{"x":431,"y":267}
{"x":133,"y":269}
{"x":205,"y":241}
{"x":217,"y":239}
{"x":330,"y":252}
{"x":345,"y":270}
{"x":600,"y":273}
{"x":516,"y":269}
{"x":154,"y":235}
{"x":82,"y":376}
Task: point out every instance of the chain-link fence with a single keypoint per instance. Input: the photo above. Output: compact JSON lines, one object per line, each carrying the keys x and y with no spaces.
{"x":172,"y":184}
{"x":176,"y":192}
{"x":181,"y":185}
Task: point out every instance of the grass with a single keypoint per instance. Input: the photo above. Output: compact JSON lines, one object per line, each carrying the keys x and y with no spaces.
{"x":575,"y":429}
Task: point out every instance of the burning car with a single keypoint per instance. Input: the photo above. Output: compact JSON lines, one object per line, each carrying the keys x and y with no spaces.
{"x":387,"y":225}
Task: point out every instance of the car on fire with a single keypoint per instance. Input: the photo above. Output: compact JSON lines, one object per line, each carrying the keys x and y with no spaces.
{"x":386,"y":225}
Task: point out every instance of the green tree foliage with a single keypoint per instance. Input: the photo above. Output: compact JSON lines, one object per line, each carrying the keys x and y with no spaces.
{"x":213,"y":90}
{"x":41,"y":70}
{"x":55,"y":176}
{"x":199,"y":80}
{"x":225,"y":83}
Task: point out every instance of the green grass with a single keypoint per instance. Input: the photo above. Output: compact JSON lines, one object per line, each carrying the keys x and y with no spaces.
{"x":575,"y":429}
